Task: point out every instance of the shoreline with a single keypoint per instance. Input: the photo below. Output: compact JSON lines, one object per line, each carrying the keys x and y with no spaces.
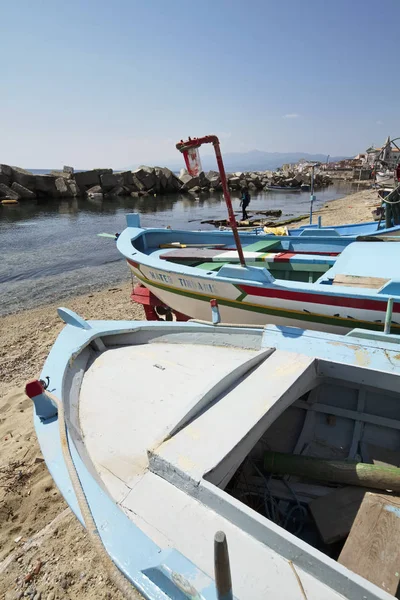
{"x":29,"y":501}
{"x":353,"y":208}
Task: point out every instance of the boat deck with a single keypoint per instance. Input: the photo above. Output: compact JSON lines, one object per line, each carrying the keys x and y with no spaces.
{"x":166,"y":378}
{"x":171,"y":453}
{"x":130,"y":434}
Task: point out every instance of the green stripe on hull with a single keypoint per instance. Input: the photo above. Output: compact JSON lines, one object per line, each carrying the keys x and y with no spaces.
{"x":285,"y":314}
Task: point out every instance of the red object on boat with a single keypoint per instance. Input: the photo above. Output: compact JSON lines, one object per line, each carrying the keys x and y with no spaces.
{"x":398,"y":172}
{"x":192,"y":161}
{"x":153,"y":308}
{"x":34,"y":388}
{"x":187,"y":148}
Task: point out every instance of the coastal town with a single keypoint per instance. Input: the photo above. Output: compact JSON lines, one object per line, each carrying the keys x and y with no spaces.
{"x":19,"y":185}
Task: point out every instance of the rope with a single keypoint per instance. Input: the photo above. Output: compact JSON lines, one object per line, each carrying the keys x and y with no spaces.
{"x":114,"y":574}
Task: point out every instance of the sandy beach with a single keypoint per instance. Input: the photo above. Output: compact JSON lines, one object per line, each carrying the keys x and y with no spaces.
{"x":44,"y":551}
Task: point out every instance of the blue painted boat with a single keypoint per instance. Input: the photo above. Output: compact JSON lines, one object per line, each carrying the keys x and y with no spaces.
{"x":352,"y":230}
{"x":281,"y":188}
{"x":286,"y":281}
{"x":155,"y":435}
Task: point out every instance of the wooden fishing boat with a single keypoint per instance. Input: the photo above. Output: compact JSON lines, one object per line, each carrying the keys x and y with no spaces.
{"x":286,"y":281}
{"x":384,"y":177}
{"x":281,"y":188}
{"x":352,"y":230}
{"x":161,"y":435}
{"x":389,"y":227}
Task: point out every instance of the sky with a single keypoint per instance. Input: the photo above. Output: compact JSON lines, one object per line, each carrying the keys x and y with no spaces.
{"x":101,"y":83}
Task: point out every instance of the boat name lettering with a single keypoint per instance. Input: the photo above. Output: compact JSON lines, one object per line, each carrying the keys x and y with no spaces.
{"x":196,"y":285}
{"x":160,"y":277}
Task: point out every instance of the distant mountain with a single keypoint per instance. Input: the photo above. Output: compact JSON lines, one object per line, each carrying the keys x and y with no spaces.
{"x":256,"y":160}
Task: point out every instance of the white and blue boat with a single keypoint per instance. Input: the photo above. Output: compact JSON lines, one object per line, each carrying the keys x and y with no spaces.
{"x":351,"y":230}
{"x":158,"y":435}
{"x":390,"y":227}
{"x":326,"y":284}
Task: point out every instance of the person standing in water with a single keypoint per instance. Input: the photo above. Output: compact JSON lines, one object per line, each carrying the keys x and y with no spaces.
{"x":244,"y":202}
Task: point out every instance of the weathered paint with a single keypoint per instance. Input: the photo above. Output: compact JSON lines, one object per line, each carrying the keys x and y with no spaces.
{"x":190,"y":511}
{"x":252,"y":295}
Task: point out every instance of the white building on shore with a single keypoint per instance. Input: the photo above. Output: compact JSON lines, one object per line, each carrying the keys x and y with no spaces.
{"x":388,"y":154}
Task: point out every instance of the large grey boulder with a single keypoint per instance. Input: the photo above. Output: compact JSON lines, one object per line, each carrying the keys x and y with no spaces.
{"x":128,"y":177}
{"x":146,"y":176}
{"x":62,"y":189}
{"x":213,"y":176}
{"x":7,"y":192}
{"x":5,"y":174}
{"x":137,"y":184}
{"x":108,"y":181}
{"x":174,"y":184}
{"x":49,"y":186}
{"x":64,"y":174}
{"x":203,"y":180}
{"x":45,"y":186}
{"x":95,"y":193}
{"x":116,"y":191}
{"x":189,"y":182}
{"x":87,"y":179}
{"x":23,"y":177}
{"x":162,"y":180}
{"x":74,"y":190}
{"x":96,"y":189}
{"x":23,"y":191}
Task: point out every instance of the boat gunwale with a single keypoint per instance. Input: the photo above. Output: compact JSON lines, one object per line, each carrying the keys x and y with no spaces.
{"x":133,"y":255}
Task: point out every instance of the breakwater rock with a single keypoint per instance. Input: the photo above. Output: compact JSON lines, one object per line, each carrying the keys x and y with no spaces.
{"x":19,"y":184}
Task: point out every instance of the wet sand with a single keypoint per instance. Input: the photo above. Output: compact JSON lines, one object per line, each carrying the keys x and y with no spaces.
{"x":60,"y":563}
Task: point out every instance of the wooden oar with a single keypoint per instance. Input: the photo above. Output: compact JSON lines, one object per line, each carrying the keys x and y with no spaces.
{"x":180,"y":245}
{"x":337,"y":471}
{"x":107,"y":235}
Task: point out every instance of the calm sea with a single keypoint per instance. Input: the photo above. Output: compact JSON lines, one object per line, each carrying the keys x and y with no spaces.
{"x":50,"y":250}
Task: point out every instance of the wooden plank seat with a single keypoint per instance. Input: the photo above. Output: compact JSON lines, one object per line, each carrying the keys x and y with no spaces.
{"x":190,"y":254}
{"x":184,"y":255}
{"x":372,"y":548}
{"x":261,"y":246}
{"x":359,"y":281}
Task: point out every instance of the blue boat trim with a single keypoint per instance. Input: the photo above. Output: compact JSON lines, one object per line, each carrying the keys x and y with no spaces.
{"x":156,"y":573}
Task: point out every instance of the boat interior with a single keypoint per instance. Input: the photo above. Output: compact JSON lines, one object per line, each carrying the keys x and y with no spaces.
{"x":285,"y":258}
{"x":328,"y":262}
{"x":223,"y":408}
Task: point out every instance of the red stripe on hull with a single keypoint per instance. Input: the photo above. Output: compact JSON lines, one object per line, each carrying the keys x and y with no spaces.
{"x":133,"y":263}
{"x":342,"y":301}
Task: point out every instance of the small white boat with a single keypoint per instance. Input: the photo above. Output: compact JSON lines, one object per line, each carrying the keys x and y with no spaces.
{"x":158,"y":436}
{"x":384,"y":177}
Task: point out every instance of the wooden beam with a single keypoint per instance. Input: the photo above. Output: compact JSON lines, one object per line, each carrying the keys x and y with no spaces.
{"x":372,"y":549}
{"x":349,"y":414}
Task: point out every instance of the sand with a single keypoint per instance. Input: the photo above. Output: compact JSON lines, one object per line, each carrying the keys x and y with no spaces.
{"x":355,"y":208}
{"x":29,"y":501}
{"x":60,"y":563}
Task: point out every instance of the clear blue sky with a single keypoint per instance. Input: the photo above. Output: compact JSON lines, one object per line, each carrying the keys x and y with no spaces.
{"x":117,"y":83}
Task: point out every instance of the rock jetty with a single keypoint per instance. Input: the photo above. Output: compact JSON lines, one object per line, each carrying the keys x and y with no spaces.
{"x":19,"y":184}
